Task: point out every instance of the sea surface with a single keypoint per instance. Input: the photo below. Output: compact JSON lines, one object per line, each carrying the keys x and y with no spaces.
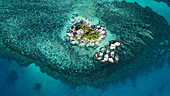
{"x":17,"y":80}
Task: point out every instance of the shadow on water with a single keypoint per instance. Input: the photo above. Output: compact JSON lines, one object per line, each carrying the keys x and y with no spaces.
{"x":161,"y":88}
{"x":11,"y":78}
{"x":37,"y":86}
{"x":150,"y":94}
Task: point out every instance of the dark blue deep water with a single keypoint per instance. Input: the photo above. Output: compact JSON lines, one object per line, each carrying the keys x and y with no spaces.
{"x":17,"y":80}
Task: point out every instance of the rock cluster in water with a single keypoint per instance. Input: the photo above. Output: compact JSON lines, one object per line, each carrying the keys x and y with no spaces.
{"x":108,"y":53}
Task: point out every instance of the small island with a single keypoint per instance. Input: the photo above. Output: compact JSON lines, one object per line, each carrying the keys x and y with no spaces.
{"x":82,"y":33}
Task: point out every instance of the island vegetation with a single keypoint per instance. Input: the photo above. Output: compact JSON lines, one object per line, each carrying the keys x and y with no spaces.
{"x":81,"y":32}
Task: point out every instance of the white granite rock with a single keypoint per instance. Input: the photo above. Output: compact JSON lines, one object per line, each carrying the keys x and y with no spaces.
{"x":102,"y":48}
{"x":103,"y":32}
{"x":80,"y":31}
{"x":105,"y":59}
{"x":83,"y":44}
{"x":70,"y":34}
{"x":106,"y":56}
{"x":107,"y":51}
{"x":112,"y":53}
{"x":102,"y":60}
{"x":111,"y":60}
{"x":112,"y":46}
{"x":117,"y":44}
{"x":75,"y":22}
{"x":98,"y":26}
{"x":100,"y":54}
{"x":73,"y":42}
{"x":99,"y":58}
{"x":96,"y":55}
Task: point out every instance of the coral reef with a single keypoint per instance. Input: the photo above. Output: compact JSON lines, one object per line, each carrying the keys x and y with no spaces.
{"x":30,"y":33}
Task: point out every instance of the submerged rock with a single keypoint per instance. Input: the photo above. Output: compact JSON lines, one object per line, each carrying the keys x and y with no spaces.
{"x":12,"y":78}
{"x":30,"y":33}
{"x":37,"y":86}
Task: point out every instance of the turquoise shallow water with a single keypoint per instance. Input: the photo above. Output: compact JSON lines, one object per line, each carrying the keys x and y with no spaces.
{"x":24,"y":79}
